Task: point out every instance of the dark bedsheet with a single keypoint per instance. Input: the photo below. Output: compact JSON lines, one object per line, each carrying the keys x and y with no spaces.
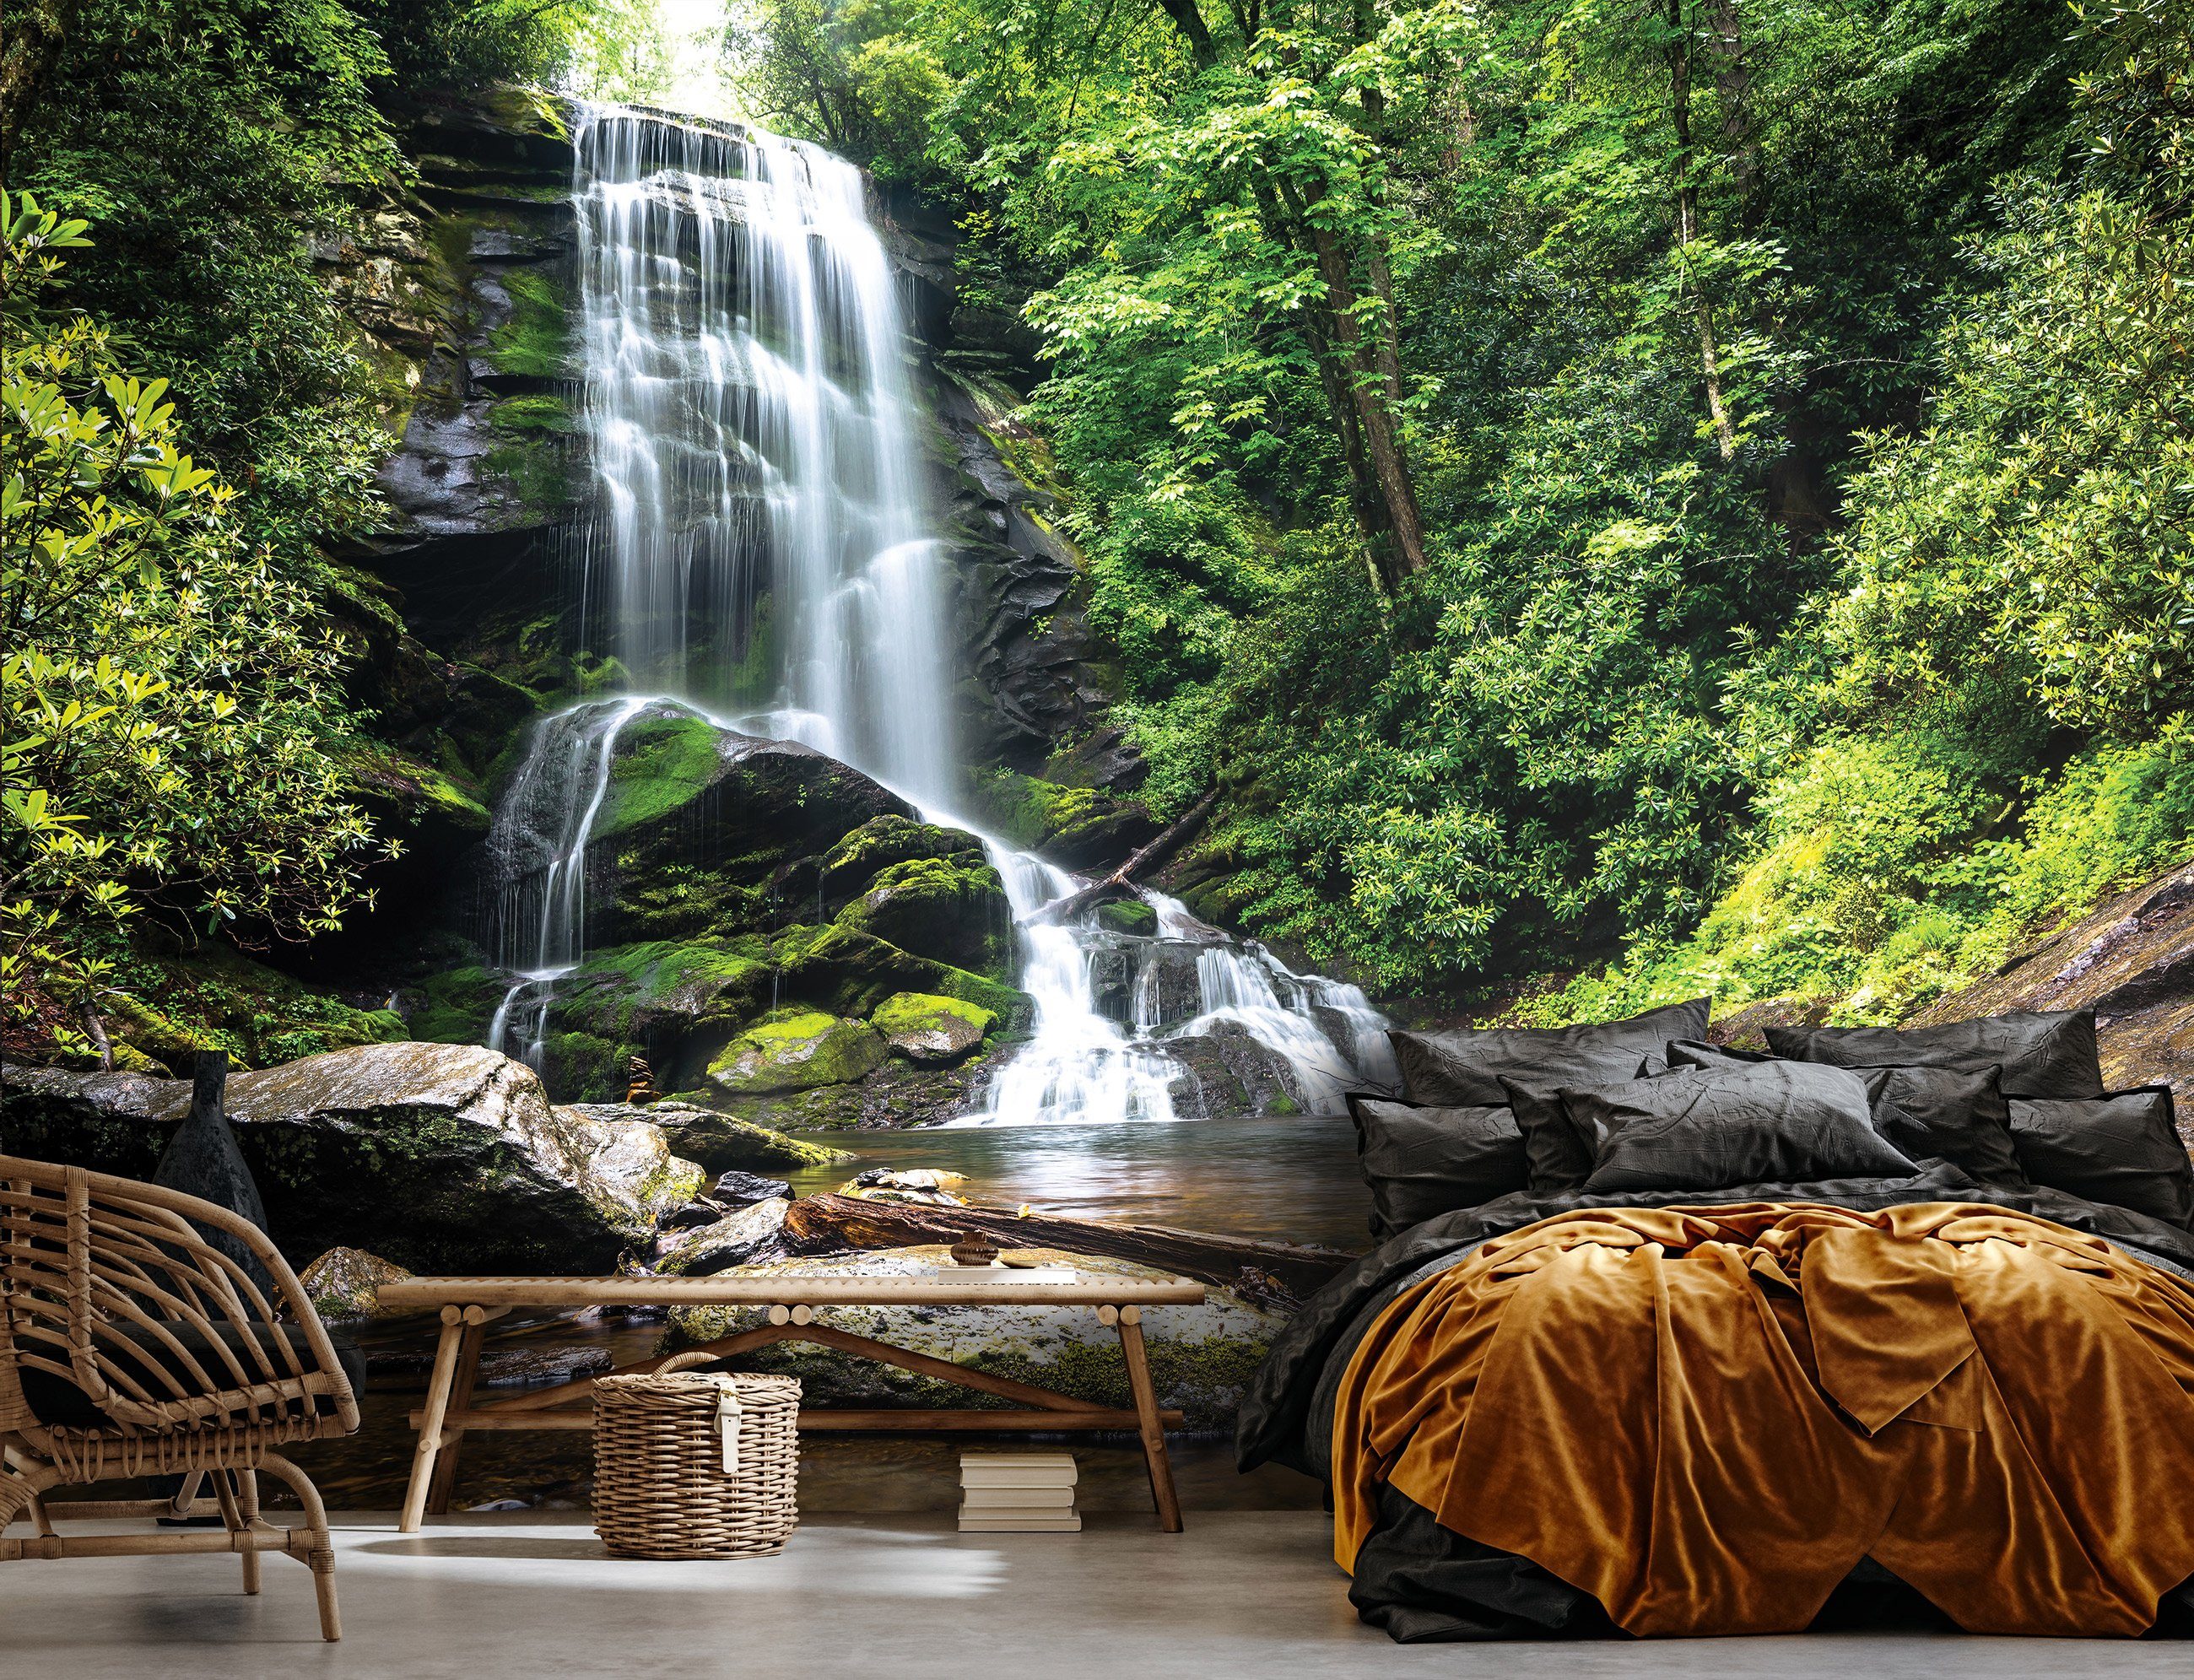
{"x":1422,"y":1582}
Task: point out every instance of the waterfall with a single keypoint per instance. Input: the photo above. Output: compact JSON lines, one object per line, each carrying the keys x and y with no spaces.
{"x":763,"y":557}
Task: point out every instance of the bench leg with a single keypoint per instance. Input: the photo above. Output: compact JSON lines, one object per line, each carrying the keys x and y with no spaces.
{"x":460,"y":1399}
{"x":1150,"y":1425}
{"x":430,"y":1425}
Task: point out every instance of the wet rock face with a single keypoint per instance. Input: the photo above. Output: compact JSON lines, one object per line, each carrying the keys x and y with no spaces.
{"x":1226,"y":1075}
{"x":2132,"y":962}
{"x":441,"y":1157}
{"x":1037,"y":684}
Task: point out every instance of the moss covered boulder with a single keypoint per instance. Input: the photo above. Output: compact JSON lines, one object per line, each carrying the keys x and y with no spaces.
{"x":1202,"y":1357}
{"x":1076,"y":827}
{"x":440,"y":1157}
{"x":951,"y":910}
{"x":720,"y":1141}
{"x":850,"y":865}
{"x":343,"y":1285}
{"x":930,"y":1030}
{"x":796,"y":1053}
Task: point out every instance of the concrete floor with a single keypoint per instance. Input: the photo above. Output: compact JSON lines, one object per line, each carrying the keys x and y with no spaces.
{"x":1243,"y":1593}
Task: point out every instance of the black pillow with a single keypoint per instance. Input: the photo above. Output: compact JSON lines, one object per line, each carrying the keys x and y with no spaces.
{"x":2124,"y":1150}
{"x":1693,"y":1054}
{"x":1962,"y":1118}
{"x":1769,"y":1122}
{"x":1465,"y":1065}
{"x":1421,"y":1162}
{"x":2049,"y":1054}
{"x":1556,"y":1156}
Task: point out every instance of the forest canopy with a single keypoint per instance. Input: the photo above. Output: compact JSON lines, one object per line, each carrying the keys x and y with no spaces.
{"x":1705,"y":479}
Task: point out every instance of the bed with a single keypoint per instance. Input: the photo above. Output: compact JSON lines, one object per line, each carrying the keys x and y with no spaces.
{"x":1628,"y":1361}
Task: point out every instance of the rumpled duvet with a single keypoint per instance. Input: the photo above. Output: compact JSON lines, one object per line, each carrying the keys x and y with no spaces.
{"x":1705,"y":1418}
{"x":1546,"y":1414}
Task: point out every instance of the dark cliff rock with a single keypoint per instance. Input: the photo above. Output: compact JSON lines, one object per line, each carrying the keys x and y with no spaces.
{"x":2132,"y":962}
{"x":1035,"y":683}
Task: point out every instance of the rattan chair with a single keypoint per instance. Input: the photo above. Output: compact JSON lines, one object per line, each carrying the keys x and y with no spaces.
{"x":131,"y":1346}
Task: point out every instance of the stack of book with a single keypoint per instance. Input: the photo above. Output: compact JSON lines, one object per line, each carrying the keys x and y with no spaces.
{"x":1018,"y":1494}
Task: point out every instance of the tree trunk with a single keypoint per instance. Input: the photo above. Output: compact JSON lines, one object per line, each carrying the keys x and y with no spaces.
{"x":1687,"y":219}
{"x":31,"y":45}
{"x":1072,"y":905}
{"x":1740,"y":137}
{"x":822,"y":1224}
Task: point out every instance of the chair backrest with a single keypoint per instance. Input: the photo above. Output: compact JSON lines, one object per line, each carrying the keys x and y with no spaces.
{"x":105,"y":1284}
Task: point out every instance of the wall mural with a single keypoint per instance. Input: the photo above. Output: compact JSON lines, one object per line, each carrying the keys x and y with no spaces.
{"x":812,"y":902}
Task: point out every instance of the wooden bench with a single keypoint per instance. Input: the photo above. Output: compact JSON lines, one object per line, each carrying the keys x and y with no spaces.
{"x":468,"y":1304}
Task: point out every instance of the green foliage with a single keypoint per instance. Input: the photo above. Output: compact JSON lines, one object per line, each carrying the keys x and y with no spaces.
{"x":171,"y":701}
{"x":1802,"y":461}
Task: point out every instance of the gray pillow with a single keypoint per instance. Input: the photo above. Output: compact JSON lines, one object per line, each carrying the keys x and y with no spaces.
{"x":1962,"y":1118}
{"x":1422,"y":1162}
{"x":2050,"y":1054}
{"x":1710,"y":1128}
{"x":1465,"y":1064}
{"x":1694,"y":1053}
{"x":2124,"y":1150}
{"x":1556,"y":1156}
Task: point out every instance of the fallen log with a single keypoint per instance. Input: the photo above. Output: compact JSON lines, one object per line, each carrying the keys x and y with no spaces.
{"x":1150,"y":857}
{"x":823,"y":1224}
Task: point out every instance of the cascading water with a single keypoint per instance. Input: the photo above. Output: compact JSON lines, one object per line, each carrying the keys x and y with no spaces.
{"x":762,"y":558}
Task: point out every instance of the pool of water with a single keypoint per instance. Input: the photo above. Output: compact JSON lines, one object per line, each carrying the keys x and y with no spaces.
{"x":1284,"y":1178}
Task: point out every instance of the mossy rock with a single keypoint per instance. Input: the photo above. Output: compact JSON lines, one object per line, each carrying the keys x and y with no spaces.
{"x":1077,"y":828}
{"x":928,"y":1029}
{"x":1127,"y":915}
{"x":898,"y":1096}
{"x":851,"y":972}
{"x":454,"y":1008}
{"x":796,"y":1053}
{"x":538,"y":341}
{"x":659,"y":990}
{"x":951,"y":910}
{"x":850,"y":865}
{"x":163,"y":1009}
{"x":724,"y":1143}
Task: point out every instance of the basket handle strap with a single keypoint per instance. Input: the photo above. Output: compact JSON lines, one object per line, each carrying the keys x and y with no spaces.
{"x":729,"y":1410}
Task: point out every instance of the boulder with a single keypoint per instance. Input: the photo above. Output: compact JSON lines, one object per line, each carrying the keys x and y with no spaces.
{"x":797,"y":1053}
{"x":898,"y":1095}
{"x":739,"y":822}
{"x":719,"y":1142}
{"x":1227,"y":1074}
{"x":1130,"y":916}
{"x":732,"y":1240}
{"x":930,"y":1030}
{"x":1074,"y":827}
{"x":1202,"y":1357}
{"x":951,"y":910}
{"x":924,"y":1186}
{"x":342,"y":1285}
{"x":2131,"y":961}
{"x":736,"y":1189}
{"x":442,"y":1157}
{"x":850,"y":865}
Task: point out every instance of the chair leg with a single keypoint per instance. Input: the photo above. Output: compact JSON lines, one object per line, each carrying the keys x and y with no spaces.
{"x":242,"y":1495}
{"x":322,"y":1557}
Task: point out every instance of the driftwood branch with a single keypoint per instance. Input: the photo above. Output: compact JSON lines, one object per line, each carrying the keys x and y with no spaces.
{"x":822,"y":1224}
{"x":1149,"y":857}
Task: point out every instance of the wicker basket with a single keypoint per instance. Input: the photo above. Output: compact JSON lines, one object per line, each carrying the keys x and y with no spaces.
{"x":661,"y":1485}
